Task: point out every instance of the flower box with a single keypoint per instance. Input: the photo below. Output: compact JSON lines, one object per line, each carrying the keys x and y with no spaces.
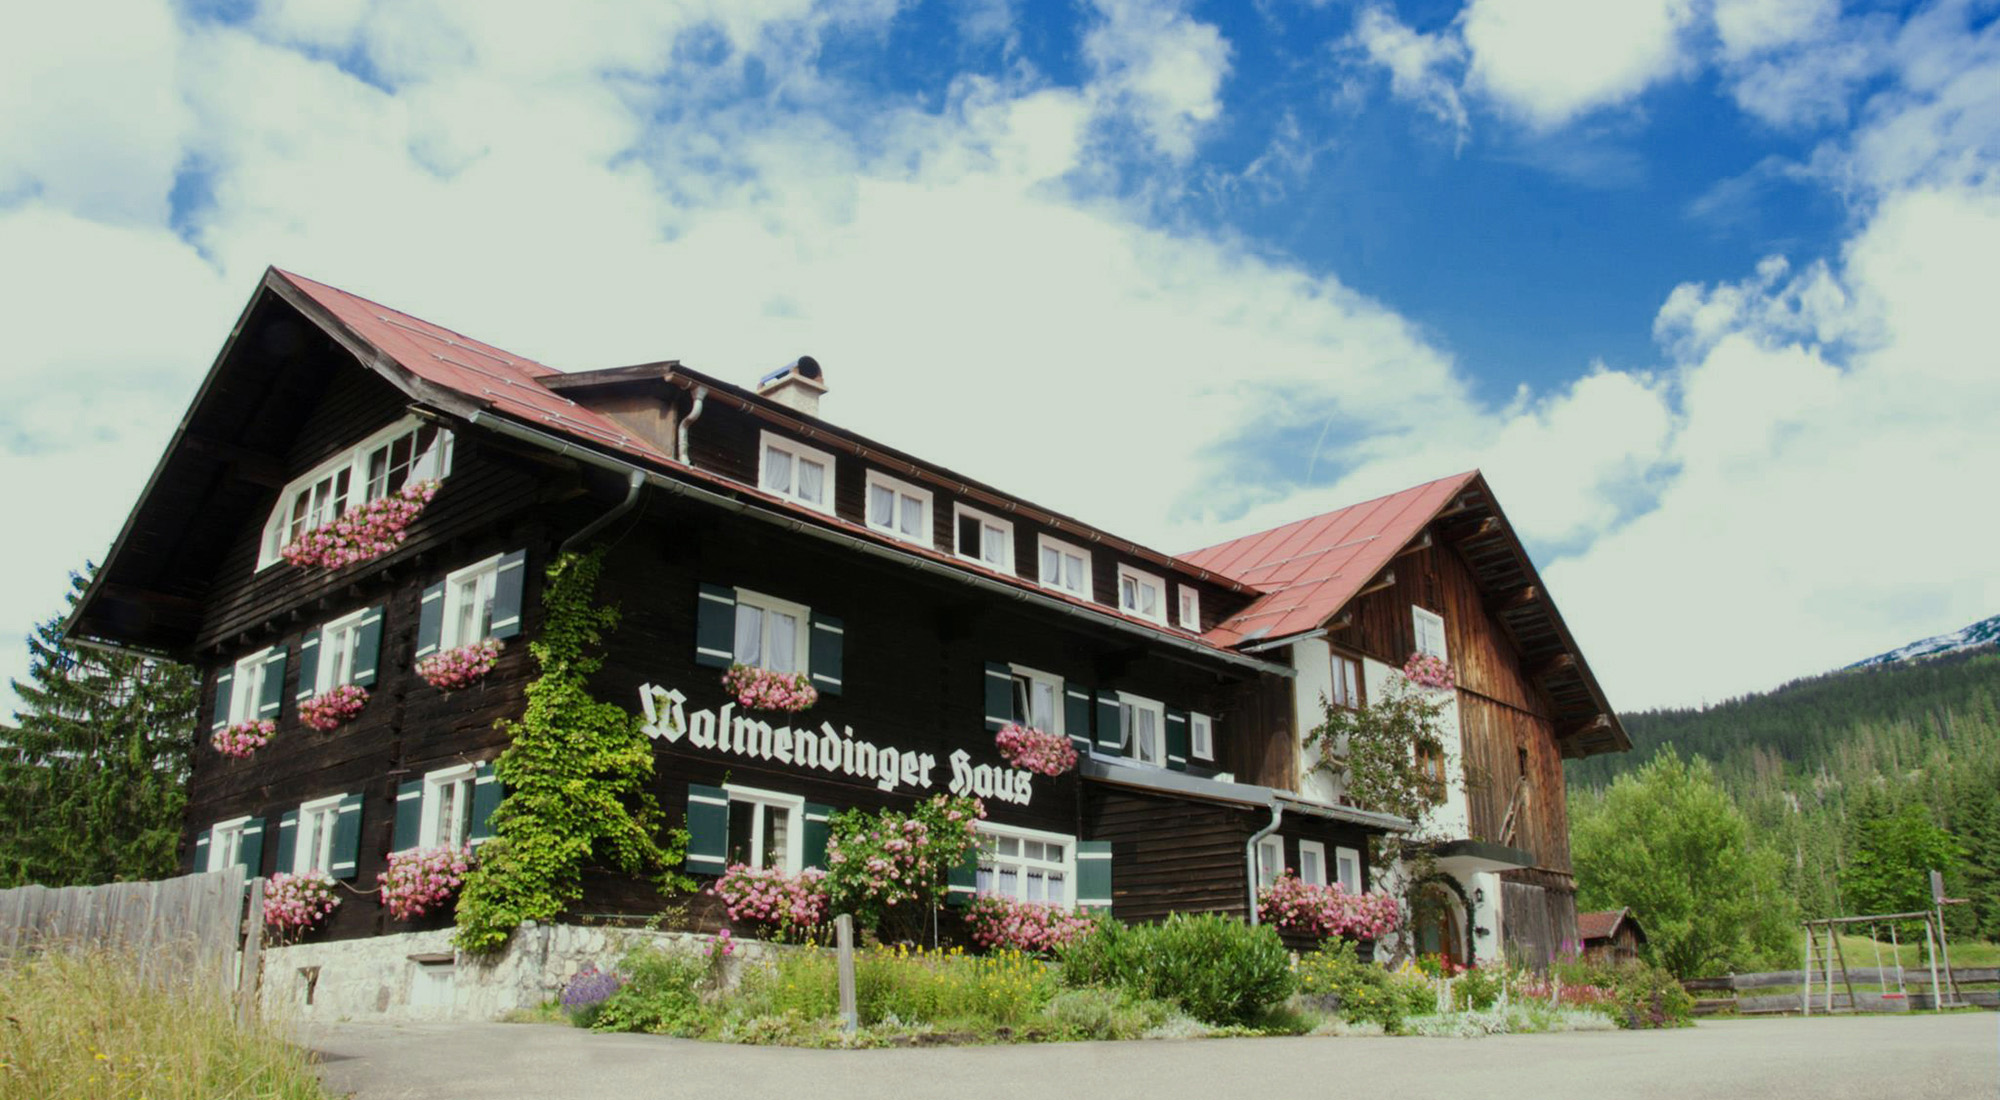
{"x":328,"y":710}
{"x":297,"y":903}
{"x":1429,"y":672}
{"x":459,"y":667}
{"x":1291,"y":905}
{"x":358,"y":534}
{"x":240,"y":739}
{"x":1035,"y":750}
{"x":420,"y":880}
{"x":762,"y":689}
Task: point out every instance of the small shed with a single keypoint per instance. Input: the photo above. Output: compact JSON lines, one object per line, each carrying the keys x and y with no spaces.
{"x":1613,"y":935}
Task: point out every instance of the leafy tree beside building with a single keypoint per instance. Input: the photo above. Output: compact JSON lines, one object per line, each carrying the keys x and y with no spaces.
{"x":93,"y":773}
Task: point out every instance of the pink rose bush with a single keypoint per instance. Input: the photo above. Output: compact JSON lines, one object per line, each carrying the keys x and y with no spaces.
{"x":297,"y":903}
{"x":1035,"y":750}
{"x":1025,"y":926}
{"x":877,"y":862}
{"x":1429,"y":672}
{"x":420,"y":880}
{"x":1291,"y":905}
{"x":238,"y":740}
{"x":358,"y":534}
{"x":786,"y":908}
{"x":326,"y":711}
{"x":762,"y":689}
{"x":452,"y":669}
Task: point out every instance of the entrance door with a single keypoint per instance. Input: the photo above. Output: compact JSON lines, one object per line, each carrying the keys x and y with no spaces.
{"x":1439,"y":931}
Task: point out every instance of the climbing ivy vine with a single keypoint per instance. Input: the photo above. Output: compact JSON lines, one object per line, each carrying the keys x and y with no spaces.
{"x":575,"y":775}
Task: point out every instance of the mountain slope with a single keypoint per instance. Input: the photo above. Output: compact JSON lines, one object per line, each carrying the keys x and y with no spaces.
{"x":1983,"y":633}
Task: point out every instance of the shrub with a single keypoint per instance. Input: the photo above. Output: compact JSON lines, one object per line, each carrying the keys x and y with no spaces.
{"x":1217,"y":969}
{"x":1646,"y":996}
{"x":1024,"y":926}
{"x":777,"y":906}
{"x":1335,"y":978}
{"x":1004,"y":989}
{"x":662,"y":994}
{"x":1096,"y":1013}
{"x":879,"y":862}
{"x":583,"y":996}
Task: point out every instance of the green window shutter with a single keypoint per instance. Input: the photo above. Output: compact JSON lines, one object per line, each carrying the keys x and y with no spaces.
{"x":963,"y":880}
{"x":201,"y":851}
{"x":999,"y":696}
{"x":409,"y":815}
{"x":486,"y":792}
{"x":224,"y":686}
{"x":288,"y":840}
{"x":430,"y":620}
{"x":1110,"y":727}
{"x":708,"y":830}
{"x":1177,"y":739}
{"x":368,"y":648}
{"x":507,"y":586}
{"x":1093,"y":875}
{"x":818,"y":828}
{"x":272,"y":701}
{"x":347,"y":838}
{"x":308,"y":665}
{"x":715,"y":626}
{"x":824,"y":653}
{"x":1076,"y":715}
{"x":251,"y":854}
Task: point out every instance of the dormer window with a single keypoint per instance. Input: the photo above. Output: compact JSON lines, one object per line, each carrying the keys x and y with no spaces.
{"x":1065,"y":567}
{"x":899,"y":508}
{"x":983,"y":538}
{"x":408,"y":451}
{"x":795,"y":471}
{"x":1190,"y":608}
{"x":1142,"y":594}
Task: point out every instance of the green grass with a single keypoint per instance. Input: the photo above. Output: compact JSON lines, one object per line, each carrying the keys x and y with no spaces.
{"x":1860,"y":952}
{"x":79,"y":1024}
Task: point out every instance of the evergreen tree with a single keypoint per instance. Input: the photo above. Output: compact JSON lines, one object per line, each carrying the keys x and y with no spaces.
{"x":1975,"y":823}
{"x":93,"y":777}
{"x":1891,"y":856}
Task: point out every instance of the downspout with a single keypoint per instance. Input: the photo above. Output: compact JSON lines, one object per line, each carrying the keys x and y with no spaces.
{"x":694,"y":414}
{"x":1250,"y":853}
{"x":635,"y":481}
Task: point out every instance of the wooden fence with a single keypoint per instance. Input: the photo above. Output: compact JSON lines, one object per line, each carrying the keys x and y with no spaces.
{"x":194,"y":924}
{"x":1916,"y":981}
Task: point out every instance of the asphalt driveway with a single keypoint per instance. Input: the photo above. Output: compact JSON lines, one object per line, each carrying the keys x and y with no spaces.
{"x":1955,"y":1056}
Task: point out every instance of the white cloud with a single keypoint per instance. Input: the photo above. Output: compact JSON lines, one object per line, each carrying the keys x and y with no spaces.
{"x":1749,"y":27}
{"x":1423,"y":68}
{"x":1549,"y":61}
{"x":1153,"y":62}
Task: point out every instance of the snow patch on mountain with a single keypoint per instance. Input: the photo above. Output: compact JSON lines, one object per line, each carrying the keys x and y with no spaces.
{"x":1983,"y":633}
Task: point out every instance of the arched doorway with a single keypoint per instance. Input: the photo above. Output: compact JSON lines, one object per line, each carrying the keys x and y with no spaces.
{"x":1438,"y":918}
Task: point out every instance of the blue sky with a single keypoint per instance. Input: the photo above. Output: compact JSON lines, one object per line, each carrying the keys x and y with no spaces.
{"x":1700,"y":284}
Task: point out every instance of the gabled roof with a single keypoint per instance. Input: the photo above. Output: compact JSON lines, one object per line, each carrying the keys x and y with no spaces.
{"x":1604,"y":925}
{"x":1310,"y":569}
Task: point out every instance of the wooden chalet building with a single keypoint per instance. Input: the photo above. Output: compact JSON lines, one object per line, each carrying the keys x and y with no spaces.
{"x":740,"y":527}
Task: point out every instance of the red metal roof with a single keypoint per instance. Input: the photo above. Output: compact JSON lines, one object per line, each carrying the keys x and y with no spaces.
{"x":1599,"y":926}
{"x":1310,"y":569}
{"x":510,"y":384}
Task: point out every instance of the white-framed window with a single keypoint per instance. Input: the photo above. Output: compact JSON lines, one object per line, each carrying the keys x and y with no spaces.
{"x":225,"y":844}
{"x":794,"y":470}
{"x":1038,"y":699}
{"x":1201,"y":736}
{"x":312,"y":847}
{"x":468,"y":603}
{"x":1064,"y":567}
{"x":977,"y":536}
{"x":766,"y":829}
{"x":1143,"y":725}
{"x":1346,"y":682}
{"x":408,"y":450}
{"x":1270,"y":860}
{"x":1026,"y":865}
{"x":1430,"y":632}
{"x":447,"y":813}
{"x":771,"y":633}
{"x":1312,"y":862}
{"x":339,"y":645}
{"x":1142,"y":594}
{"x":1347,"y":869}
{"x":898,"y":508}
{"x":246,"y":685}
{"x":1190,"y":608}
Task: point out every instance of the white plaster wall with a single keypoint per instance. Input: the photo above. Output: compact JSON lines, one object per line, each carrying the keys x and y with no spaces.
{"x":374,"y":978}
{"x":1312,"y":660}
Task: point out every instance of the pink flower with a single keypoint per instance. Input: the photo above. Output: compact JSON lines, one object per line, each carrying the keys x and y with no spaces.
{"x":243,"y":738}
{"x":1035,"y":750}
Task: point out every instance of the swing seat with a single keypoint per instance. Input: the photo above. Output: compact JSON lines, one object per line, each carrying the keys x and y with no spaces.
{"x":1894,"y":996}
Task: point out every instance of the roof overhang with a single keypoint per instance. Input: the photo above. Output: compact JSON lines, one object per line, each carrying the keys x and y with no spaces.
{"x":1470,"y":857}
{"x":1247,"y":795}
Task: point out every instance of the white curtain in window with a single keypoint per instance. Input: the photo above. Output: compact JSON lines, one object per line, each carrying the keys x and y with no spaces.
{"x":777,"y":470}
{"x":1042,"y":705}
{"x":1051,"y":566}
{"x":881,"y":506}
{"x":812,"y":481}
{"x":781,"y":638}
{"x":749,"y":635}
{"x":992,"y":544}
{"x":913,"y":517}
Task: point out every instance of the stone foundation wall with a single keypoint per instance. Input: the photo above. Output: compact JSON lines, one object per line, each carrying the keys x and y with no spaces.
{"x":417,"y":975}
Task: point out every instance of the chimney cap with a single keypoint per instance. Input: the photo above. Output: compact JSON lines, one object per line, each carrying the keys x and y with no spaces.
{"x":804,"y":367}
